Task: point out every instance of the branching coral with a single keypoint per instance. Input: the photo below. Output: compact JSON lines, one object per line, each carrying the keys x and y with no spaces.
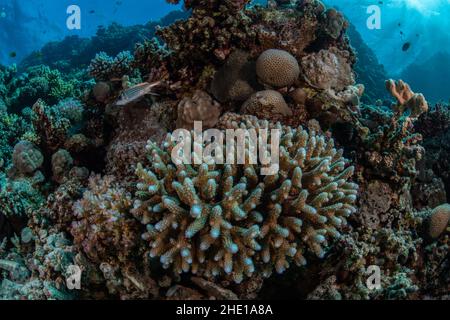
{"x":102,"y":228}
{"x":226,"y":219}
{"x":37,"y":267}
{"x":39,"y":82}
{"x":109,"y":236}
{"x":50,"y":125}
{"x":105,"y":68}
{"x":19,"y":198}
{"x":393,"y":148}
{"x":12,"y":128}
{"x":415,"y":103}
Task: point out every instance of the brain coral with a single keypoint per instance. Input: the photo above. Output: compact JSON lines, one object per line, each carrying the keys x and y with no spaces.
{"x":277,"y":68}
{"x":230,"y":220}
{"x":438,"y":221}
{"x":265,"y":104}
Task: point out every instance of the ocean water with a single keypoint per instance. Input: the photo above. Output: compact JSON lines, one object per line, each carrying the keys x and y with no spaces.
{"x":422,"y":25}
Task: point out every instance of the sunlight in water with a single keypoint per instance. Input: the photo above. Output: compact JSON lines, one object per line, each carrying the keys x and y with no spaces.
{"x":426,"y":6}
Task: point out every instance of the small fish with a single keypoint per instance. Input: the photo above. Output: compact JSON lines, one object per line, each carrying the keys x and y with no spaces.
{"x":406,"y":46}
{"x":12,"y":54}
{"x":3,"y":14}
{"x":136,"y":92}
{"x":92,"y":11}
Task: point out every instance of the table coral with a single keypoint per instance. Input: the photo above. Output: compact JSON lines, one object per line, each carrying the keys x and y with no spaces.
{"x":221,"y":219}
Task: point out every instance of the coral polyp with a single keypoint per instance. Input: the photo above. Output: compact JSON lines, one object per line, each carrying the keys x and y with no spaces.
{"x":226,"y":219}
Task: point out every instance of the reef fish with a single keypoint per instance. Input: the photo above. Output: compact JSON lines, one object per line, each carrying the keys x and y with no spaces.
{"x":136,"y":92}
{"x":406,"y":46}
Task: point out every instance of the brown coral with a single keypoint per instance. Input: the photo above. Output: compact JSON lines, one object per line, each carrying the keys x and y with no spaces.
{"x":27,"y":158}
{"x":438,"y":221}
{"x":62,"y":163}
{"x":236,"y":80}
{"x":266,"y":104}
{"x":328,"y":69}
{"x":277,"y":68}
{"x":201,"y":107}
{"x":407,"y":99}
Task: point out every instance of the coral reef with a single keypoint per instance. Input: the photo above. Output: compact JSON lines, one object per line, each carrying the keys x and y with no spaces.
{"x":87,"y":176}
{"x":240,"y":220}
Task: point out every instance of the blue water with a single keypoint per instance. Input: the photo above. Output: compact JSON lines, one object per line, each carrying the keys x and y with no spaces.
{"x":26,"y":25}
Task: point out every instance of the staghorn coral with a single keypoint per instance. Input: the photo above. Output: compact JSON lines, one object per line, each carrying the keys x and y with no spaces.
{"x":277,"y":68}
{"x":222,"y":219}
{"x":266,"y":104}
{"x":438,"y":221}
{"x":201,"y":107}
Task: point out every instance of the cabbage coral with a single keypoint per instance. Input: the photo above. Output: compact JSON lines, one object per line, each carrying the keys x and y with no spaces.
{"x":231,"y":220}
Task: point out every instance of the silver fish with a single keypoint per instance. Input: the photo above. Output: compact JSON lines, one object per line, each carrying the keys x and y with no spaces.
{"x":136,"y":92}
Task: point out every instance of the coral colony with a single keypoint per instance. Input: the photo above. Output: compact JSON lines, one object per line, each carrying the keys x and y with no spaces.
{"x":90,"y":180}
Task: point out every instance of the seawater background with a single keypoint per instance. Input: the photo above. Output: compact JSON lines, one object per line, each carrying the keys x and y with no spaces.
{"x":26,"y":25}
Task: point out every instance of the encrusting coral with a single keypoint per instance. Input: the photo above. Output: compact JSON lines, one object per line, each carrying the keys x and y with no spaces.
{"x":223,"y":219}
{"x":201,"y":107}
